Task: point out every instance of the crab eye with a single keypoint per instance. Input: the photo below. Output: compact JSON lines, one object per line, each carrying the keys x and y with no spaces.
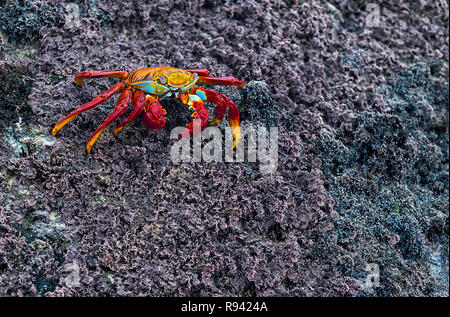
{"x":162,"y":79}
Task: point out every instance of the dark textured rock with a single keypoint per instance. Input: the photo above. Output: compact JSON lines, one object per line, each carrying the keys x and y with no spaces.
{"x":257,"y":104}
{"x":22,"y":20}
{"x":393,"y":177}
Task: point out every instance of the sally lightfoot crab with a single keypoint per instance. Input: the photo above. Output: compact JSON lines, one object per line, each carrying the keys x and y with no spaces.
{"x":146,"y":86}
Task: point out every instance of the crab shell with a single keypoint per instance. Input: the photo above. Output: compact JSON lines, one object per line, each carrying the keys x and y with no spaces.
{"x":162,"y":81}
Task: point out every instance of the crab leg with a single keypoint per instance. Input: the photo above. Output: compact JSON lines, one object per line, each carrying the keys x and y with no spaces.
{"x":80,"y":77}
{"x":119,"y":109}
{"x":94,"y":102}
{"x":138,"y":105}
{"x":228,"y":81}
{"x":223,"y":103}
{"x":200,"y":72}
{"x":201,"y":113}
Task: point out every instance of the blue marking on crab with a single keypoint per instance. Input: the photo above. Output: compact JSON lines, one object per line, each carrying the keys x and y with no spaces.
{"x":201,"y":94}
{"x":151,"y":87}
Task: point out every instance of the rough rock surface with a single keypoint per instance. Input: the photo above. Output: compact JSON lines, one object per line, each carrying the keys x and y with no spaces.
{"x":362,"y":177}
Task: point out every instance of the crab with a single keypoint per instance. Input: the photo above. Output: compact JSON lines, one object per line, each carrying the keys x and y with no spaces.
{"x":146,"y":86}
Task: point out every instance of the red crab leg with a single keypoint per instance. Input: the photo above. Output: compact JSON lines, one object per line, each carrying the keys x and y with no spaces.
{"x":200,"y":72}
{"x":223,"y":103}
{"x":94,"y":102}
{"x":228,"y":81}
{"x":153,"y":117}
{"x":138,"y":105}
{"x":80,"y":77}
{"x":201,"y":113}
{"x":119,"y":109}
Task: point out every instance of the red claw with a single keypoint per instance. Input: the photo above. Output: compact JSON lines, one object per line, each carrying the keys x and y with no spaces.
{"x":153,"y":117}
{"x":222,"y":104}
{"x":202,"y":115}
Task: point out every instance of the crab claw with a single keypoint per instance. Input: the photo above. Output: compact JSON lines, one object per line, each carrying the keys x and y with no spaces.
{"x":222,"y":104}
{"x":153,"y":116}
{"x":202,"y":115}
